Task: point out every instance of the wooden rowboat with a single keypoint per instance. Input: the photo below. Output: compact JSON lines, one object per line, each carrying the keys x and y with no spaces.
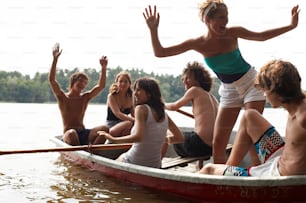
{"x":190,"y":185}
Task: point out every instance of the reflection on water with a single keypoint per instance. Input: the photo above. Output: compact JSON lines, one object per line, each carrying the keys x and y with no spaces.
{"x":25,"y":178}
{"x":84,"y":185}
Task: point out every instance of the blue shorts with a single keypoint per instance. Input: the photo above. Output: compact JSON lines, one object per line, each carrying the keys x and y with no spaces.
{"x":268,"y":146}
{"x":193,"y":146}
{"x":83,"y":135}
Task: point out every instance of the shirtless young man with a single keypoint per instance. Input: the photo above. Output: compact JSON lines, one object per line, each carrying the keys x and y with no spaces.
{"x":73,"y":104}
{"x":198,"y":82}
{"x":281,"y":83}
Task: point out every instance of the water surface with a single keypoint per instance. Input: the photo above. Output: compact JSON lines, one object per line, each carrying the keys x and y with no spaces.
{"x":46,"y":177}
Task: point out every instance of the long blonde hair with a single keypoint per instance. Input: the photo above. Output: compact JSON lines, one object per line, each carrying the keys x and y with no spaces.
{"x":113,"y":89}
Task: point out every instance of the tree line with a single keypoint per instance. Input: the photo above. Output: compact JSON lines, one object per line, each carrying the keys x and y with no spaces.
{"x":19,"y":88}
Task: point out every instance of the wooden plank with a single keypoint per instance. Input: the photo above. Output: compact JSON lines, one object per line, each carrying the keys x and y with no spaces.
{"x":183,"y":161}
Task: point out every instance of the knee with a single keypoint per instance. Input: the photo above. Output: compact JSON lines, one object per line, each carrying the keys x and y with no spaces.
{"x":207,"y":169}
{"x":251,"y":114}
{"x":128,"y":124}
{"x":71,"y":137}
{"x":104,"y":128}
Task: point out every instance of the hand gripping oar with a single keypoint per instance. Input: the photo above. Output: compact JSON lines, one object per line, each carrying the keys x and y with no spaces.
{"x":70,"y":148}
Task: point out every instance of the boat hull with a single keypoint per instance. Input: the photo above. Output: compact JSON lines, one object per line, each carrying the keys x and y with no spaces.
{"x":196,"y":187}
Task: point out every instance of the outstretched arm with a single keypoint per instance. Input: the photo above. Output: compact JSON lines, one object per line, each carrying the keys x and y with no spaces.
{"x":141,"y":115}
{"x":187,"y":98}
{"x":268,"y":34}
{"x":102,"y":80}
{"x":113,"y":104}
{"x":152,"y":19}
{"x":54,"y":84}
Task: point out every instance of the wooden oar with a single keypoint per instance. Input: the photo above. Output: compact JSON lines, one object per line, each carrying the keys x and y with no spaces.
{"x":71,"y":148}
{"x":185,"y":113}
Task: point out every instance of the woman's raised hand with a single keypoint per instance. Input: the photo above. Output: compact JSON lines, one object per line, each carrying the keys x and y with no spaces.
{"x":152,"y":18}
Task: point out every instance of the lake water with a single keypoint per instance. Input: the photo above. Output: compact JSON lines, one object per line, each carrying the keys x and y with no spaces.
{"x":46,"y":177}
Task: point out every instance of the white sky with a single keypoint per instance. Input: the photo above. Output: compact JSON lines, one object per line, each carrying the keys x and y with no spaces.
{"x":88,"y":29}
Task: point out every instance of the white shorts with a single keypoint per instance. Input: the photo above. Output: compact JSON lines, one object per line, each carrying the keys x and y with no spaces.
{"x":242,"y":91}
{"x":269,"y":168}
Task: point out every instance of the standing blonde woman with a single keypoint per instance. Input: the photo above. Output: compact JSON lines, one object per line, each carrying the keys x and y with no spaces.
{"x":219,"y":47}
{"x":120,"y":108}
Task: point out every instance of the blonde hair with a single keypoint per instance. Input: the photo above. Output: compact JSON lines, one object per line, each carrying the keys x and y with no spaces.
{"x":114,"y":88}
{"x":282,"y":78}
{"x":209,"y":8}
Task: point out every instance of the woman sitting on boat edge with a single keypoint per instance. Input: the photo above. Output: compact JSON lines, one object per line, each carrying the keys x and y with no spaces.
{"x":150,"y":128}
{"x":281,"y":84}
{"x":120,"y":108}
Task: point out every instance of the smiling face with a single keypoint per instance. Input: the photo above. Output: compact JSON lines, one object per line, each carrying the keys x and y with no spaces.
{"x":189,"y":80}
{"x":123,"y":83}
{"x":78,"y":81}
{"x":80,"y":84}
{"x":217,"y":23}
{"x":140,"y":95}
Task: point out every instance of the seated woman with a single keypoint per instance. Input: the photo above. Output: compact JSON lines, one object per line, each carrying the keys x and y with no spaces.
{"x":120,"y":105}
{"x":150,"y":128}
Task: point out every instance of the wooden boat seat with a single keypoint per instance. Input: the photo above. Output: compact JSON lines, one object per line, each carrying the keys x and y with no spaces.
{"x":184,"y":161}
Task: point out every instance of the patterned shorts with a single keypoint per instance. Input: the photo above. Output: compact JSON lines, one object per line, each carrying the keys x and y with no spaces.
{"x":266,"y":146}
{"x":268,"y":143}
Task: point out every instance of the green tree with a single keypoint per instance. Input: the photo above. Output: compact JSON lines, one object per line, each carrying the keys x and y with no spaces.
{"x":15,"y":87}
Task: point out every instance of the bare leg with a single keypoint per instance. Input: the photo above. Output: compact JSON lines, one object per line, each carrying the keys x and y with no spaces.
{"x":121,"y":129}
{"x":259,"y":106}
{"x":213,"y":169}
{"x":94,"y":138}
{"x":252,"y":126}
{"x":242,"y":143}
{"x":225,"y":122}
{"x":71,"y":137}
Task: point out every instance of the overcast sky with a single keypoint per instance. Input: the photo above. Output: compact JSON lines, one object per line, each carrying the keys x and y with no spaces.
{"x":88,"y":29}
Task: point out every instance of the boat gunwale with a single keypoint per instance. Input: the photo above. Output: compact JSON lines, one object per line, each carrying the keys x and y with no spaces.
{"x":298,"y":180}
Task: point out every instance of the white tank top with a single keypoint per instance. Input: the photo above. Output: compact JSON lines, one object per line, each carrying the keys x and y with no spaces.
{"x":148,"y":151}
